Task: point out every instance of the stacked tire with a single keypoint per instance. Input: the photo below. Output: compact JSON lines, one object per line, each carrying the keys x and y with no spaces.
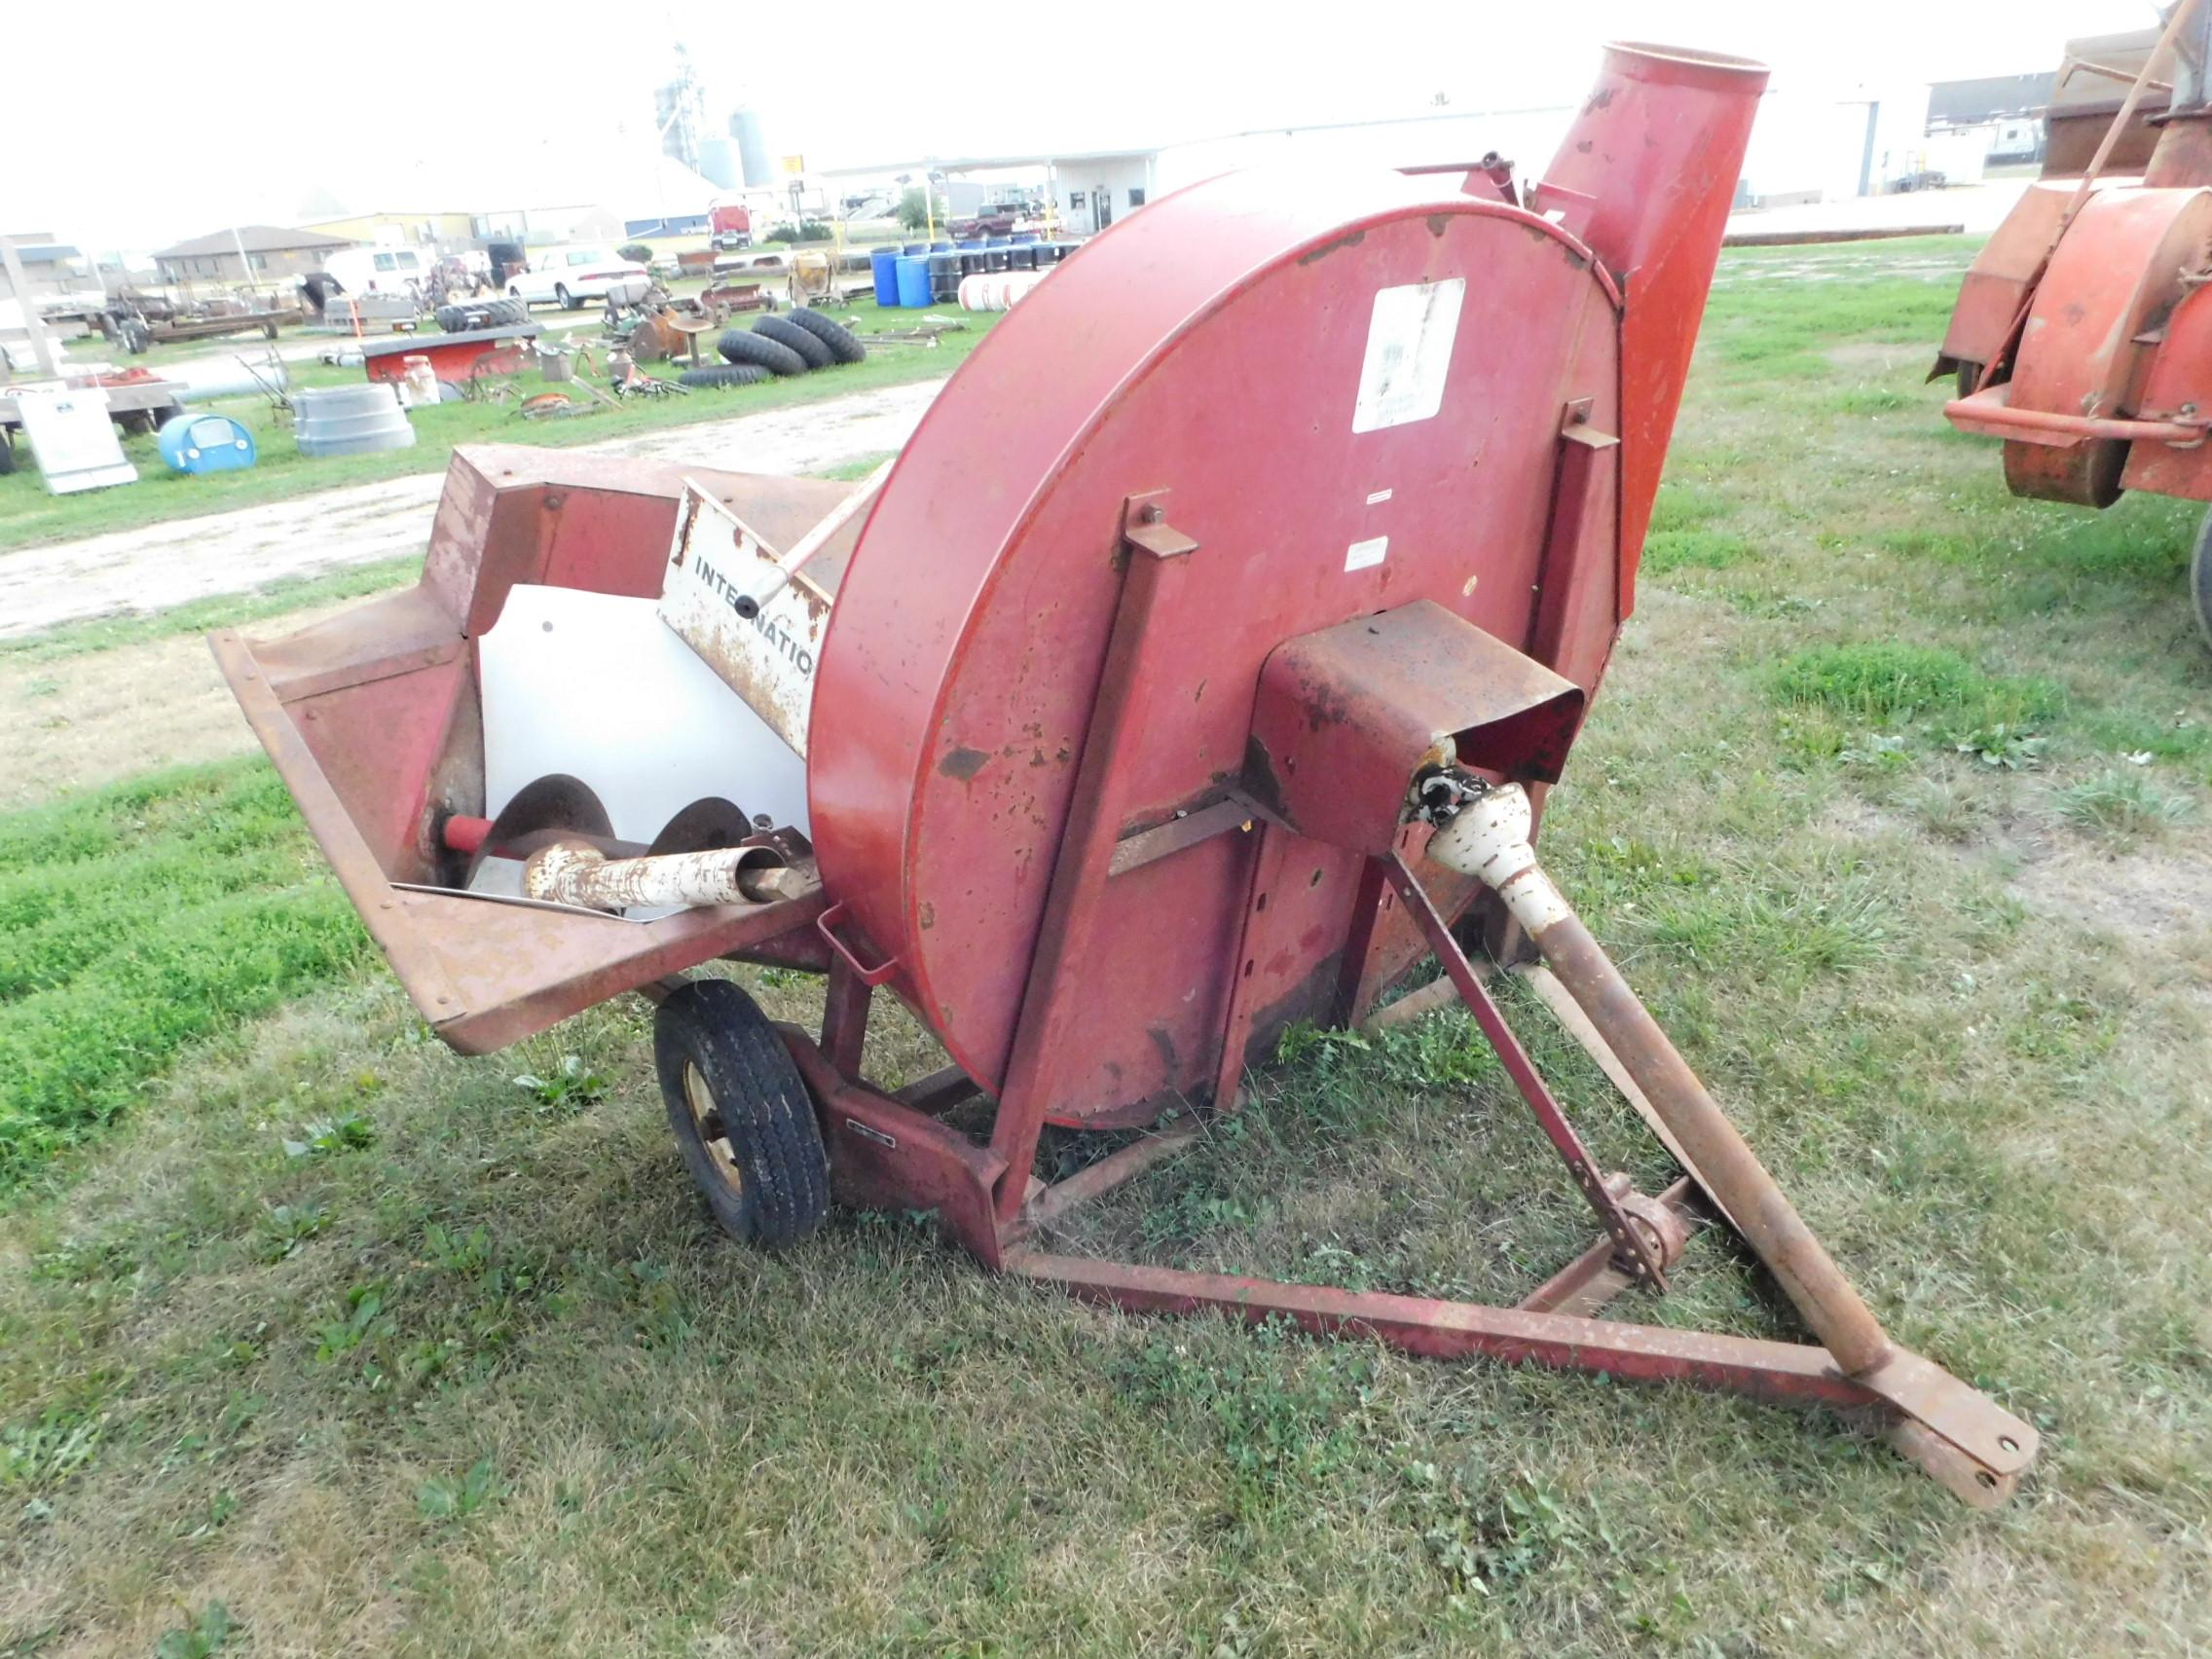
{"x":722,"y":376}
{"x":495,"y":314}
{"x":794,"y":342}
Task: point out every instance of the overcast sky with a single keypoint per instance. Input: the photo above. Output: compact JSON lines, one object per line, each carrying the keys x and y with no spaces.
{"x":135,"y":138}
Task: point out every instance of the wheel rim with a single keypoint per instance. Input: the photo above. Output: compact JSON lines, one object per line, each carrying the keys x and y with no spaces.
{"x":713,"y":1133}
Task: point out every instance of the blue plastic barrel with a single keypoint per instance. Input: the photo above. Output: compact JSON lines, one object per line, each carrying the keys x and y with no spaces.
{"x":883,"y":266}
{"x":914,"y":279}
{"x":1026,"y":235}
{"x":1021,"y":257}
{"x":912,"y":249}
{"x":967,"y":243}
{"x":206,"y":443}
{"x":940,"y":248}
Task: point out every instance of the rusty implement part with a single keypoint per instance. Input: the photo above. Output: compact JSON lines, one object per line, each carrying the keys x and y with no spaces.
{"x":1156,"y":570}
{"x":730,"y":596}
{"x":763,"y":579}
{"x":1576,"y":1024}
{"x":1350,"y":716}
{"x":884,"y":1155}
{"x":1996,"y":287}
{"x":555,"y":801}
{"x":1641,"y":1249}
{"x":1597,"y":1276}
{"x":1789,"y":1373}
{"x":574,"y":872}
{"x":1991,"y":414}
{"x":2180,"y":379}
{"x":1045,"y":1209}
{"x":1490,"y":838}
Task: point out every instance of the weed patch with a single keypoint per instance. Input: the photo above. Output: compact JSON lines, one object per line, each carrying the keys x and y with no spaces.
{"x":2122,"y":805}
{"x":1885,"y":681}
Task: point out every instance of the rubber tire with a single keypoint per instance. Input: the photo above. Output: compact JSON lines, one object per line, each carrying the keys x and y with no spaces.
{"x":782,"y":1191}
{"x":1969,"y":375}
{"x":453,"y":318}
{"x":563,"y":298}
{"x":723,"y":374}
{"x":2201,"y":577}
{"x":785,"y":332}
{"x":507,"y":314}
{"x":740,"y":346}
{"x":844,"y":345}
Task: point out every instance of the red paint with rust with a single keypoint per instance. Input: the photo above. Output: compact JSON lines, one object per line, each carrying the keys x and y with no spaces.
{"x":1213,"y":346}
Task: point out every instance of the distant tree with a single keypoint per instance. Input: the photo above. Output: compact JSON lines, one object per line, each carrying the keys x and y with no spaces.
{"x":914,"y":209}
{"x":637,"y":254}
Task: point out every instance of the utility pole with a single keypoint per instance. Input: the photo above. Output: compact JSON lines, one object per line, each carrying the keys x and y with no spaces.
{"x":34,"y":325}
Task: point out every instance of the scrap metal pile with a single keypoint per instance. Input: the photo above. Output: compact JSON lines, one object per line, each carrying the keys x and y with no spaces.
{"x":1203,"y":665}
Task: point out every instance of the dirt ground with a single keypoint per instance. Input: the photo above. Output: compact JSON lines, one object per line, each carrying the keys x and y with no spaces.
{"x":155,"y":568}
{"x":89,"y":720}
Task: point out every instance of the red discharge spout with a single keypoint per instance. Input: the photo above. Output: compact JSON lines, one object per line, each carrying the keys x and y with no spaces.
{"x":1645,"y":177}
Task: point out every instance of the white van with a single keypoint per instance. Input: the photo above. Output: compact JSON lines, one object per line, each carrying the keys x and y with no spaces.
{"x":378,"y":269}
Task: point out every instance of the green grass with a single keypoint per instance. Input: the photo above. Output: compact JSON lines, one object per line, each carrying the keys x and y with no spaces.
{"x":470,"y":1369}
{"x":30,"y":516}
{"x":1882,"y":681}
{"x":138,"y":920}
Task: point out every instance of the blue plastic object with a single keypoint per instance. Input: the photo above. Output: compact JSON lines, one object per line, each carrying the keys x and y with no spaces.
{"x":914,"y":281}
{"x":883,"y":265}
{"x":206,"y":443}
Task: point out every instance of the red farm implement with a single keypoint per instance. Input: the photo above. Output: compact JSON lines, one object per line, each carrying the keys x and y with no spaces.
{"x":2082,"y":336}
{"x":1201,"y":666}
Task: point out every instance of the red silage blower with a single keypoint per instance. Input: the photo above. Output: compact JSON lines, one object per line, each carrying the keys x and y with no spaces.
{"x":1200,"y":667}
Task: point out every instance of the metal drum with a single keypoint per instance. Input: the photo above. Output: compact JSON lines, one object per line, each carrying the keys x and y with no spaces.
{"x":350,"y":420}
{"x":944,"y":277}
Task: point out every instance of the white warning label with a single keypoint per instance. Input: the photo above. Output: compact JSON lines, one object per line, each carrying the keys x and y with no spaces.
{"x":1409,"y":354}
{"x":1362,"y":554}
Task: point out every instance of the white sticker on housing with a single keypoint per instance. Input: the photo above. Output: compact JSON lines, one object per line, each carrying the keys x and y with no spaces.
{"x":1360,"y":555}
{"x":1409,"y":354}
{"x":1378,"y":498}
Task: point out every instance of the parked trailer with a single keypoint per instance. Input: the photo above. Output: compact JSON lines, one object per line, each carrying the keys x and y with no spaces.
{"x":221,"y":325}
{"x":1181,"y":679}
{"x":2083,"y":335}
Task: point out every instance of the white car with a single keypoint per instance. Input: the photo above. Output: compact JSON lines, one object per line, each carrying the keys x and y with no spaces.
{"x":572,"y":276}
